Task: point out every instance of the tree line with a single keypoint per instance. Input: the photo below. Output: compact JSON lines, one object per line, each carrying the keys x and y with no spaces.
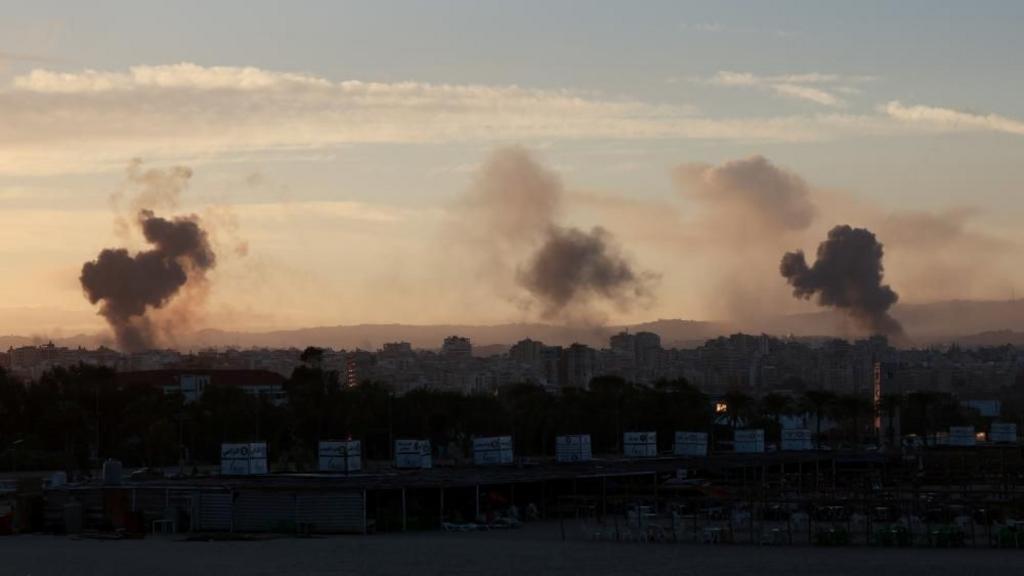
{"x":72,"y":418}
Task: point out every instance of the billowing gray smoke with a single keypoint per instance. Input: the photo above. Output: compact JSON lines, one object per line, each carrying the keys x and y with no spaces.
{"x":847,"y":274}
{"x":573,"y":264}
{"x":131,"y":286}
{"x":512,"y":213}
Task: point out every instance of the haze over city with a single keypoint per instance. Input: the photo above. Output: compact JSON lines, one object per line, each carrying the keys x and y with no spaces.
{"x":489,"y":163}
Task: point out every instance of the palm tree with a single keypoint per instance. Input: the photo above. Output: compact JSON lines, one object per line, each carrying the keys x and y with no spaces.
{"x":817,"y":402}
{"x":852,"y":408}
{"x":738,"y":406}
{"x":775,"y":406}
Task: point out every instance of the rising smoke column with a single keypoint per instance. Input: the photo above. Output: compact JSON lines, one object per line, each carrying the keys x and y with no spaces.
{"x":847,"y":274}
{"x":131,"y":286}
{"x":743,"y":213}
{"x":512,"y":213}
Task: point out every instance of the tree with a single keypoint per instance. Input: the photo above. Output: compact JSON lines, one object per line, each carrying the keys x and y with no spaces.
{"x":852,"y":410}
{"x":774,"y":405}
{"x":738,"y":406}
{"x":818,"y":403}
{"x":312,"y":355}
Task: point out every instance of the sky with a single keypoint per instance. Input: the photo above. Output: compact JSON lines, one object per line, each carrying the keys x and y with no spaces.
{"x":332,"y":147}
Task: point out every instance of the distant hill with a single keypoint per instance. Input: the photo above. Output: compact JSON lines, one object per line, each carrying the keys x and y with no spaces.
{"x":83,"y":340}
{"x":925,"y":324}
{"x":996,"y":338}
{"x":970,"y":323}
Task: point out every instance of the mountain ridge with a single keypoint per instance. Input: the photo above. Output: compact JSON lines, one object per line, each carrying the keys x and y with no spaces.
{"x":969,"y":322}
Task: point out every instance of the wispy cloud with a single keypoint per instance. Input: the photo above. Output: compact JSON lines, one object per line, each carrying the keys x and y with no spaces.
{"x":184,"y":76}
{"x":73,"y":121}
{"x":64,"y":122}
{"x":810,"y":87}
{"x":950,"y":120}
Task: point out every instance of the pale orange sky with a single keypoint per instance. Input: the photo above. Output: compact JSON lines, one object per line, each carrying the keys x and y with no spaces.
{"x":338,"y":157}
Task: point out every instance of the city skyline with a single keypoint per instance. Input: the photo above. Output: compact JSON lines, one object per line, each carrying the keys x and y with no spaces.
{"x":331,"y":169}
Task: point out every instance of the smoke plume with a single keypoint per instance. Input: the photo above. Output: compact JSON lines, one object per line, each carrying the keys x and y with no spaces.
{"x":743,"y":214}
{"x":847,"y":274}
{"x":512,"y":215}
{"x":572,"y":264}
{"x":751,"y":192}
{"x":130,"y":287}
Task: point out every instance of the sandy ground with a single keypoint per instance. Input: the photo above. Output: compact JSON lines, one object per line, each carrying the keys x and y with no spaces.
{"x":537,"y":549}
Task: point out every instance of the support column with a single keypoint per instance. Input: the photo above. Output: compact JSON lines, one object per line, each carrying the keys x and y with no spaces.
{"x":655,"y":476}
{"x":604,"y":496}
{"x":404,"y":525}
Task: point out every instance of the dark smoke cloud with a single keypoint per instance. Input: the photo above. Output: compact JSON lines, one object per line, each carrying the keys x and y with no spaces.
{"x":847,"y":274}
{"x":512,"y":216}
{"x":572,"y":264}
{"x":131,"y":286}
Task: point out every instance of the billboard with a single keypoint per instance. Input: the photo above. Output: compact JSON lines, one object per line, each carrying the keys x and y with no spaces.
{"x":340,"y":456}
{"x":961,"y":436}
{"x":573,"y":448}
{"x":492,"y":450}
{"x":690,"y":444}
{"x":243,"y":459}
{"x":1003,"y":432}
{"x":748,"y":441}
{"x":797,"y":439}
{"x":640,"y":444}
{"x":412,"y":454}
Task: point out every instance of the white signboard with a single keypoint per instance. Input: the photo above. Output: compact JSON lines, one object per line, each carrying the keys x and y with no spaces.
{"x":797,"y":439}
{"x":691,"y":444}
{"x":749,"y":441}
{"x":412,"y":454}
{"x":1003,"y":432}
{"x":961,"y":436}
{"x":492,"y":450}
{"x":640,"y":444}
{"x":573,"y":448}
{"x":243,"y":459}
{"x":340,"y":456}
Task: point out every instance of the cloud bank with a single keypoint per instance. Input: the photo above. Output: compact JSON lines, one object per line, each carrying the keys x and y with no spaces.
{"x":60,"y":122}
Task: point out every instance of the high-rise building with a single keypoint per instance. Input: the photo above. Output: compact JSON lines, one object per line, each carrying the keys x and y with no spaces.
{"x":647,"y":349}
{"x":578,"y":363}
{"x":527,"y":352}
{"x":551,"y":365}
{"x":456,"y":347}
